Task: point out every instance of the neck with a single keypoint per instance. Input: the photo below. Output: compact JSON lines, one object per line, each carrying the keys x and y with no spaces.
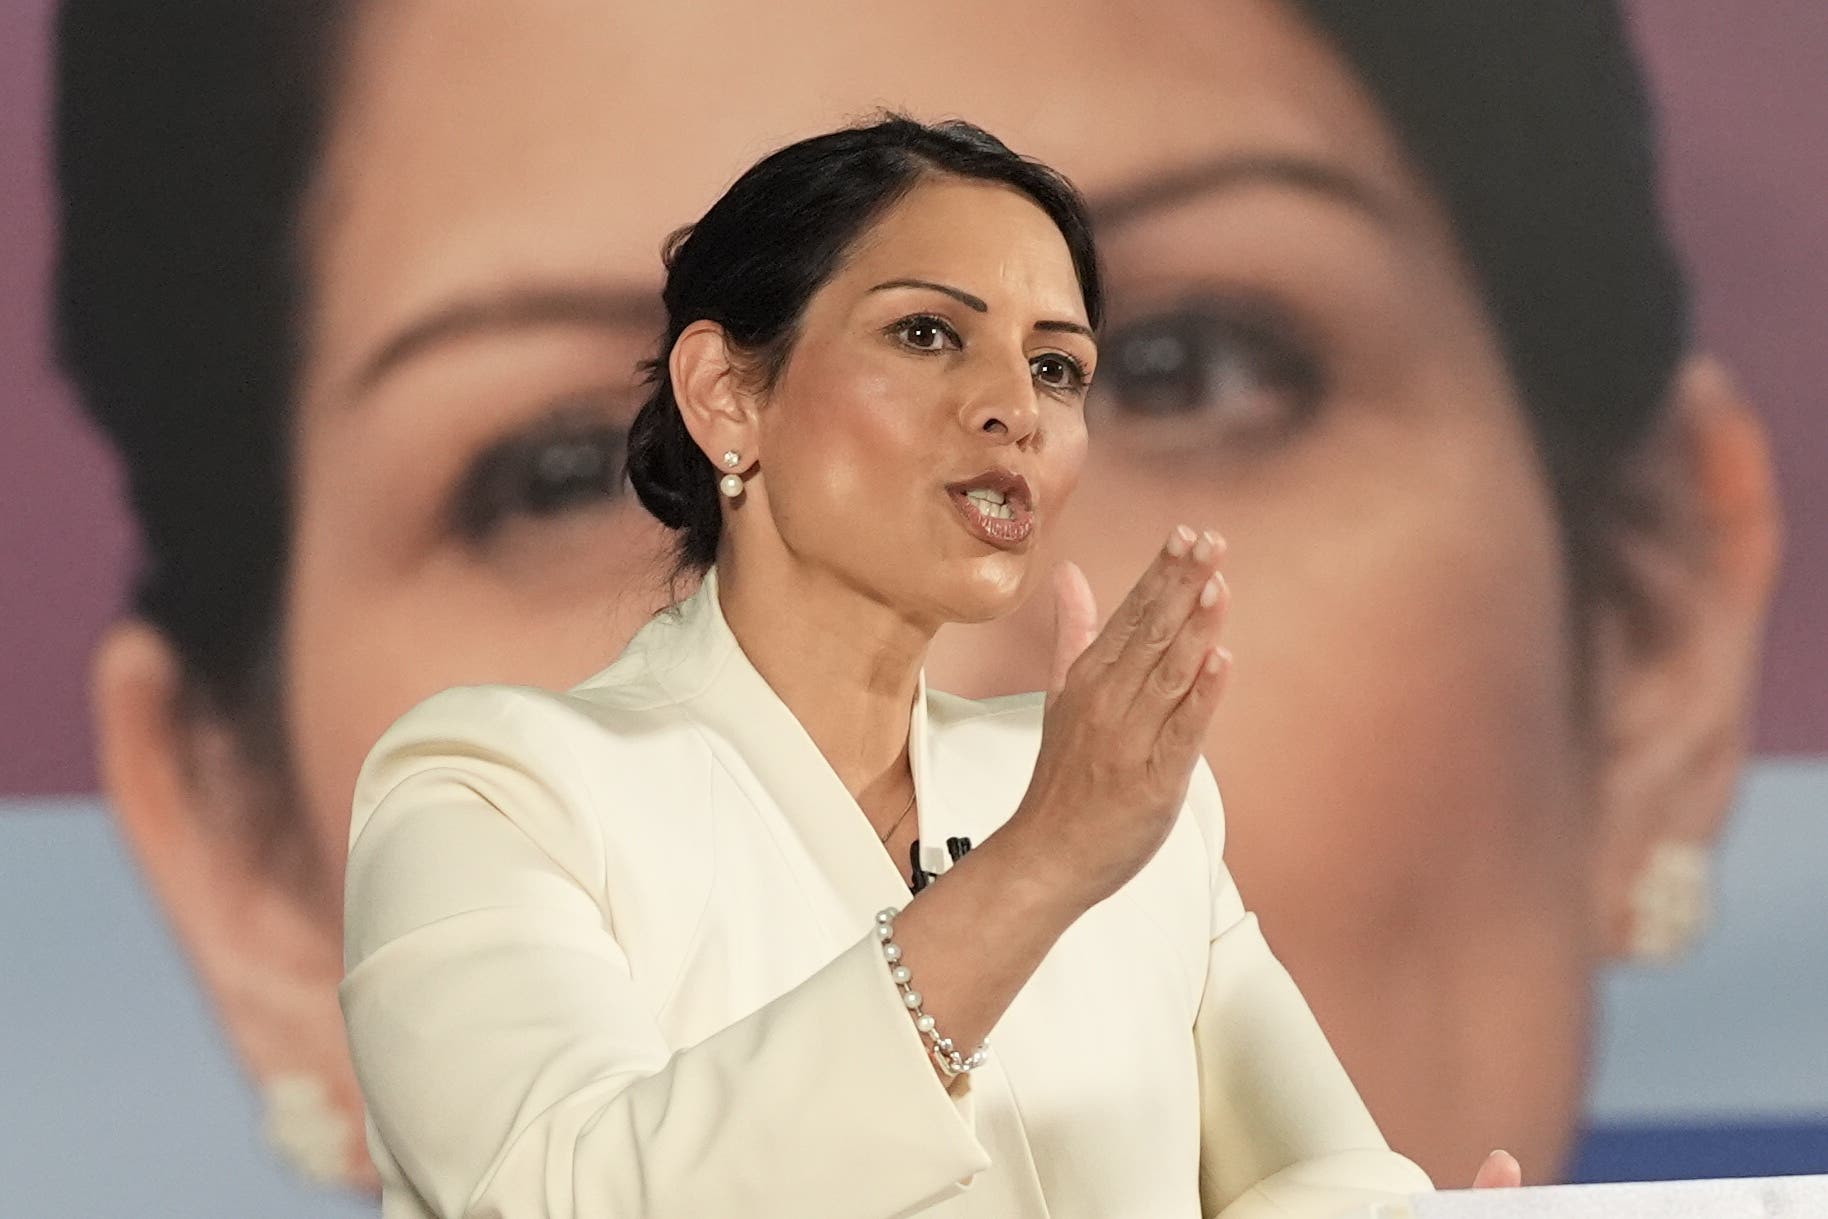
{"x":843,"y":661}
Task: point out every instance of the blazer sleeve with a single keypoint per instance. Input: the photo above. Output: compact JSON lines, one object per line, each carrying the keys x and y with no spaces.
{"x":1283,"y":1133}
{"x":510,"y":1066}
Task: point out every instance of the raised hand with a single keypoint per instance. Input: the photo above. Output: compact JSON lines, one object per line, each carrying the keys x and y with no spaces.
{"x":1127,"y":714}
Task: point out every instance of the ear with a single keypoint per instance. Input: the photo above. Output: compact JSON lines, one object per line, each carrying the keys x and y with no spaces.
{"x":260,"y":927}
{"x":1676,"y":681}
{"x":711,"y":384}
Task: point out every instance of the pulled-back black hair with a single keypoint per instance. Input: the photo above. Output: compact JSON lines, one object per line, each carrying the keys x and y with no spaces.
{"x":774,"y":238}
{"x":1532,"y":123}
{"x":188,"y":132}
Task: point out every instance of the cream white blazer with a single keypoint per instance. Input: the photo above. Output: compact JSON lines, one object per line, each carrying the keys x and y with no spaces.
{"x":610,"y":955}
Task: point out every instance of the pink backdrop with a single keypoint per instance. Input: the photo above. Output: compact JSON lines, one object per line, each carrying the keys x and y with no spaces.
{"x":1745,"y":106}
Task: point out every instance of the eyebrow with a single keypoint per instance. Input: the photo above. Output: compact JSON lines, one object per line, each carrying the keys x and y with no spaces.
{"x":517,"y":308}
{"x":977,"y":303}
{"x":958,"y":294}
{"x":1236,"y":171}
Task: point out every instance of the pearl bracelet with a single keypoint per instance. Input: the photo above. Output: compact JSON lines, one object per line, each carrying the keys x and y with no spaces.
{"x":945,"y":1055}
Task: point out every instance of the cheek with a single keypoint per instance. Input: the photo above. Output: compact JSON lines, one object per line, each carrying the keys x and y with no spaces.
{"x":1398,"y":729}
{"x":1063,"y":450}
{"x":369,"y":636}
{"x":1397,"y":733}
{"x":846,"y":437}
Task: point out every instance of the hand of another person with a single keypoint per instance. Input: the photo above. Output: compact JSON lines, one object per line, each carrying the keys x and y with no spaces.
{"x":1126,"y":715}
{"x":1500,"y":1171}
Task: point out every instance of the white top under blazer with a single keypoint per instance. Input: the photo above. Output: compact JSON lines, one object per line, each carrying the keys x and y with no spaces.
{"x":610,"y":955}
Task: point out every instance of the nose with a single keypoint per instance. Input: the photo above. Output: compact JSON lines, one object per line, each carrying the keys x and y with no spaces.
{"x":1000,"y":403}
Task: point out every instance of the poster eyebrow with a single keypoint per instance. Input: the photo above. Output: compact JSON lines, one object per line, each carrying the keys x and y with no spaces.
{"x":1236,"y":171}
{"x":515,"y":308}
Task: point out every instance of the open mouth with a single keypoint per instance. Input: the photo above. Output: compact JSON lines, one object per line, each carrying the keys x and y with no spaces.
{"x":996,"y":506}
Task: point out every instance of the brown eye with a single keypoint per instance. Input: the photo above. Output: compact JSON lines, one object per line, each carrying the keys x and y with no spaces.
{"x":1240,"y":366}
{"x":923,"y":332}
{"x":1057,"y":371}
{"x":568,"y":463}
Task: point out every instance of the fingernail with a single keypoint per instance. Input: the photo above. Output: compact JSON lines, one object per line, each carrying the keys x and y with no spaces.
{"x":1179,"y":541}
{"x":1202,"y":553}
{"x":1216,"y":659}
{"x":1209,"y":594}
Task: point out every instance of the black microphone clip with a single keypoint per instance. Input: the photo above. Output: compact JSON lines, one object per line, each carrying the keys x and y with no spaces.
{"x":920,"y":878}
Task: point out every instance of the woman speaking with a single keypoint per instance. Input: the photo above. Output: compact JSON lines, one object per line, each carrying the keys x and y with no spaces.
{"x":707,"y":935}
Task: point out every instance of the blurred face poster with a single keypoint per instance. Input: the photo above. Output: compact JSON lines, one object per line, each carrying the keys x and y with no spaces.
{"x":1449,"y":316}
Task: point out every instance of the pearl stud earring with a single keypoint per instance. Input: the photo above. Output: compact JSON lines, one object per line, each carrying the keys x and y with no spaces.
{"x":731,"y":484}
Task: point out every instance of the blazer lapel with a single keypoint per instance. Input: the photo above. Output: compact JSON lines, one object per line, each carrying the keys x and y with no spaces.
{"x":701,"y":664}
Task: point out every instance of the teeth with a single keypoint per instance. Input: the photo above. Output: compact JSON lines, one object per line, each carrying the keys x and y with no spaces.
{"x":992,"y":503}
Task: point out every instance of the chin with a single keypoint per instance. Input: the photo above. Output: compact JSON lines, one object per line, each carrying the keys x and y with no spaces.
{"x":984,"y":588}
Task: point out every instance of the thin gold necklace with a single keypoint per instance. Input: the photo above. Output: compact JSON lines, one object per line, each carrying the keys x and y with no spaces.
{"x":884,"y":838}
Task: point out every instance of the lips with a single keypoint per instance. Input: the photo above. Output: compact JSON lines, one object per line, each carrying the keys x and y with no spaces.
{"x":995,"y":506}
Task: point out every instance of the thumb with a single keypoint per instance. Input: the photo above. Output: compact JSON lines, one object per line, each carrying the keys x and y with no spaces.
{"x":1075,"y":621}
{"x":1500,"y":1171}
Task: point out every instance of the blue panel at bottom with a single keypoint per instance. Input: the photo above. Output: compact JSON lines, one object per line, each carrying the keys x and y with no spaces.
{"x":1677,"y":1152}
